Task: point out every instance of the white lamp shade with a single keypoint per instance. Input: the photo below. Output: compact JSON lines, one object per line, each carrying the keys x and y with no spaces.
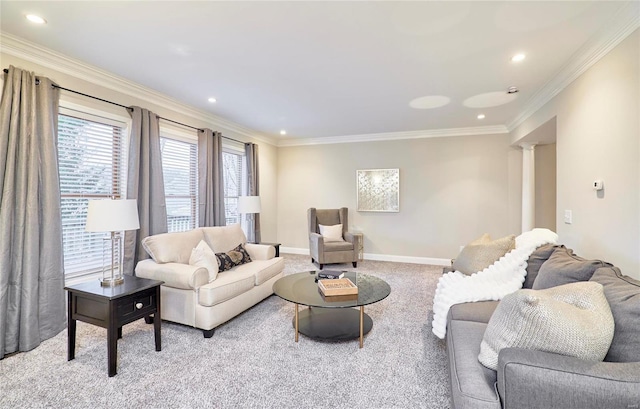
{"x":112,"y":215}
{"x":249,"y":204}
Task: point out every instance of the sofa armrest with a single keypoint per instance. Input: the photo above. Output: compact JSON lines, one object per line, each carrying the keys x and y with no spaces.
{"x":536,"y":379}
{"x":174,"y":275}
{"x":260,"y":251}
{"x":316,"y":244}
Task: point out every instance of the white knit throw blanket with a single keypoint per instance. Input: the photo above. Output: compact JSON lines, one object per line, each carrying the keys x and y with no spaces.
{"x":494,"y":282}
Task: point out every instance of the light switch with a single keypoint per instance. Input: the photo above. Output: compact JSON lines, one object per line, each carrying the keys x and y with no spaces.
{"x":568,"y":217}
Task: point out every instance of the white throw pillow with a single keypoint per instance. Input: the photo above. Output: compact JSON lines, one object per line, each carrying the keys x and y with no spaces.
{"x":331,"y":233}
{"x":203,"y":256}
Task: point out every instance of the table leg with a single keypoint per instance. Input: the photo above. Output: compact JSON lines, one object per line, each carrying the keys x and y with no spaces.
{"x":361,"y":324}
{"x":112,"y":339}
{"x":71,"y":329}
{"x":296,"y":322}
{"x":156,"y":322}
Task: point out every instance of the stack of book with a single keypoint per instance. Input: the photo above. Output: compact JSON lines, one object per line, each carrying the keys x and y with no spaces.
{"x":330,"y":274}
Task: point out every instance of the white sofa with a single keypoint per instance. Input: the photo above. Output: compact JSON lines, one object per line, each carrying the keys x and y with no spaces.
{"x":188,"y":296}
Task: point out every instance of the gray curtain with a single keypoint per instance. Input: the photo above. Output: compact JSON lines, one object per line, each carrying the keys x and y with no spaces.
{"x":145,"y":184}
{"x":210,"y":181}
{"x":32,"y":306}
{"x":253,"y":189}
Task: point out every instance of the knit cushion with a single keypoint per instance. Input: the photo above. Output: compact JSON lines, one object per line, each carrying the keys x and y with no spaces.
{"x":481,"y":253}
{"x":572,"y":319}
{"x":564,"y":267}
{"x":623,"y":294}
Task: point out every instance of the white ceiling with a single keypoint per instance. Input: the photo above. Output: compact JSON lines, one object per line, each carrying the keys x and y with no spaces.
{"x":329,"y":69}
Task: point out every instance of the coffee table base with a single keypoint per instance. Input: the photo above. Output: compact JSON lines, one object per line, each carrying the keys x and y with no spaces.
{"x":332,"y":324}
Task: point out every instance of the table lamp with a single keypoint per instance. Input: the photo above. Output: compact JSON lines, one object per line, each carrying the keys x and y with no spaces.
{"x":249,"y":204}
{"x":113,"y":216}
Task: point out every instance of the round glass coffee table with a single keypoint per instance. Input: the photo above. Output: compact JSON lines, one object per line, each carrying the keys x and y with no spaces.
{"x":331,"y":318}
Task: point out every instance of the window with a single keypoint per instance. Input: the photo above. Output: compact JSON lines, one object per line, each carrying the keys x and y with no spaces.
{"x":180,"y":172}
{"x":234,"y":182}
{"x":91,"y":156}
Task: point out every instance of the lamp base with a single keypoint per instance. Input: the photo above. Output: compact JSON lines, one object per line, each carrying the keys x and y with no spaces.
{"x":111,"y":282}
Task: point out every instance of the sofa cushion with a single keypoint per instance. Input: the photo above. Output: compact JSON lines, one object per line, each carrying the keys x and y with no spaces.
{"x":227,"y":285}
{"x":232,"y":258}
{"x":472,"y":385}
{"x":572,"y":319}
{"x":221,"y":239}
{"x":172,"y":247}
{"x":482,"y":252}
{"x":623,"y":294}
{"x":264,"y":270}
{"x":338,"y":246}
{"x":479,"y":311}
{"x":203,"y":256}
{"x":331,"y":233}
{"x":564,"y":267}
{"x":535,"y":261}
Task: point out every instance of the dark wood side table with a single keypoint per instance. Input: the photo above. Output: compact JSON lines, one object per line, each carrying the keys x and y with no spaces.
{"x":276,"y":245}
{"x":111,"y":308}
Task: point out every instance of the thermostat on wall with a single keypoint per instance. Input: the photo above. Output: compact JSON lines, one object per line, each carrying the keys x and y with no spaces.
{"x":598,"y":185}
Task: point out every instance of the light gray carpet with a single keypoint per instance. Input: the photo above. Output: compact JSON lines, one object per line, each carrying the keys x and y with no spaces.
{"x":252,"y":361}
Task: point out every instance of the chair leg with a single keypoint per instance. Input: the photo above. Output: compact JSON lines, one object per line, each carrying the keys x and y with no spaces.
{"x":321,"y":265}
{"x":208,"y":333}
{"x":355,"y":264}
{"x":312,"y":260}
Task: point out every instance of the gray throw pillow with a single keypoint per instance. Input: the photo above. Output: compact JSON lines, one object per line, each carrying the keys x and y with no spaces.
{"x":572,"y":320}
{"x":623,"y":294}
{"x":535,"y":261}
{"x":564,"y":267}
{"x":481,"y":253}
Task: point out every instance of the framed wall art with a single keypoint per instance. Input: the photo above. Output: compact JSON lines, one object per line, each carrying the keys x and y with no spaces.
{"x":378,"y":190}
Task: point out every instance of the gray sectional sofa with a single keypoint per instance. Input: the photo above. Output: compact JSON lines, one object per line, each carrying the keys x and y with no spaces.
{"x":536,"y":379}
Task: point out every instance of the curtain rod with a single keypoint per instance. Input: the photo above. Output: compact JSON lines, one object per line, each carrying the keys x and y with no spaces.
{"x":6,"y":71}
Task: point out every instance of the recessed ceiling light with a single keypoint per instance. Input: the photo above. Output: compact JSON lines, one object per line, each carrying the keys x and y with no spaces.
{"x":212,"y":100}
{"x":35,"y":19}
{"x":512,"y":90}
{"x":283,"y":132}
{"x":481,"y":116}
{"x":518,"y":57}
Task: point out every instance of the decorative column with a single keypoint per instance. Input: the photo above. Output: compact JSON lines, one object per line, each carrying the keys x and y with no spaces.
{"x":528,"y":186}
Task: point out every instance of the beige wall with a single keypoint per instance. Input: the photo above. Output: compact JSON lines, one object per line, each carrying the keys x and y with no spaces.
{"x":545,"y":193}
{"x":598,"y":137}
{"x":451,"y":191}
{"x":267,"y":153}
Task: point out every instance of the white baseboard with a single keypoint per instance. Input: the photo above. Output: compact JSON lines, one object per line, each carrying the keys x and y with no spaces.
{"x":382,"y":257}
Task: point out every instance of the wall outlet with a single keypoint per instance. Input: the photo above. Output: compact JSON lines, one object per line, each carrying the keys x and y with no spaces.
{"x":568,"y":217}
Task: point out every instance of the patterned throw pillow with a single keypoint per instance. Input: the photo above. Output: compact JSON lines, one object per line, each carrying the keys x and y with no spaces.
{"x":232,"y":258}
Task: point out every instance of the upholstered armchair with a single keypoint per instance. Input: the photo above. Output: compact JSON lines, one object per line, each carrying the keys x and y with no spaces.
{"x":329,"y":243}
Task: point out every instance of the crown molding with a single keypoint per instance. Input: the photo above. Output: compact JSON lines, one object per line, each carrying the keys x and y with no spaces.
{"x":392,"y":136}
{"x":625,"y":22}
{"x":26,"y":50}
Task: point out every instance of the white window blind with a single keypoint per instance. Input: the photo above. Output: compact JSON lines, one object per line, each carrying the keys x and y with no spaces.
{"x":91,"y":157}
{"x":233,"y":183}
{"x":180,"y":172}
